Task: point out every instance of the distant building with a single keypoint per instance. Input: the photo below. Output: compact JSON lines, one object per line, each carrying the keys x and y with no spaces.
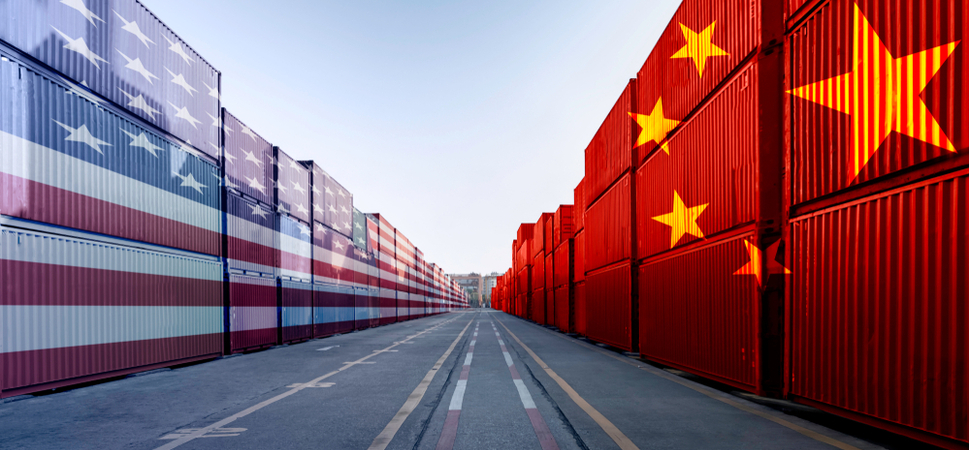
{"x":472,"y":283}
{"x":488,"y":282}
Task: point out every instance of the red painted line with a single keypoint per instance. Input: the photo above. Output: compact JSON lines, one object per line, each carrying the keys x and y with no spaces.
{"x":450,"y":429}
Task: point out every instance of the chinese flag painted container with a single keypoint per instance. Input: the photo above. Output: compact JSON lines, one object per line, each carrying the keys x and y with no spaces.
{"x":120,"y":50}
{"x":608,"y":306}
{"x":296,"y":300}
{"x":76,"y":310}
{"x":248,"y":161}
{"x":550,"y":270}
{"x":548,"y":237}
{"x":333,"y":309}
{"x":608,"y":227}
{"x":72,"y":160}
{"x":579,"y":258}
{"x":563,"y":264}
{"x":608,"y":155}
{"x":879,"y":310}
{"x":579,"y":206}
{"x":253,"y":313}
{"x":563,"y":225}
{"x":564,"y":295}
{"x":251,"y":235}
{"x":539,"y":238}
{"x":703,"y":44}
{"x":877,"y":97}
{"x":579,"y":308}
{"x":538,"y":311}
{"x":563,"y":303}
{"x":292,"y":187}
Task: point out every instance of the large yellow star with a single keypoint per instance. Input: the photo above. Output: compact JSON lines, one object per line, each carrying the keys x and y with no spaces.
{"x":754,"y":265}
{"x":655,"y":126}
{"x":682,"y":220}
{"x":882,"y":93}
{"x":699,"y":47}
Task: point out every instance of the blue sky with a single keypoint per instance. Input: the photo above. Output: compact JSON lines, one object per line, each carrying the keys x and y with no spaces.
{"x":456,"y":120}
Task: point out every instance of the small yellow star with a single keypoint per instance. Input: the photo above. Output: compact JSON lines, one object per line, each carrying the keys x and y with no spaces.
{"x":682,"y":220}
{"x":655,"y":126}
{"x":699,"y":47}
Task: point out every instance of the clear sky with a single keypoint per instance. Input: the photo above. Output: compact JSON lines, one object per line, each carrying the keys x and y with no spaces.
{"x":456,"y":120}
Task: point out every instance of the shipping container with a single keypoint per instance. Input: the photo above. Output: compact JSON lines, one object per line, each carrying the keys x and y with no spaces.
{"x":539,"y":236}
{"x":549,"y":285}
{"x":579,"y":202}
{"x":913,"y":126}
{"x":362,"y":308}
{"x":579,"y":308}
{"x":335,"y":205}
{"x":388,"y":305}
{"x":609,"y":154}
{"x":74,"y":310}
{"x":333,"y":309}
{"x":295,"y":249}
{"x":608,"y":227}
{"x":252,"y":313}
{"x":524,"y":232}
{"x":292,"y":187}
{"x":360,"y":230}
{"x":579,"y":257}
{"x":564,"y":304}
{"x":251,"y":235}
{"x":547,"y":234}
{"x":609,"y":306}
{"x":562,"y":225}
{"x":297,"y":311}
{"x":70,"y":161}
{"x":248,"y":161}
{"x":878,"y":322}
{"x":120,"y":50}
{"x":563,"y":264}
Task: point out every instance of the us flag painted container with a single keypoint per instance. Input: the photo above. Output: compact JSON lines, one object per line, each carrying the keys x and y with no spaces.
{"x":252,"y":313}
{"x":360,"y":230}
{"x":879,"y":297}
{"x":251,"y":234}
{"x":120,"y":50}
{"x":248,"y":161}
{"x":292,"y":187}
{"x":296,"y":247}
{"x":608,"y":155}
{"x":297,"y":310}
{"x":373,"y":235}
{"x":388,"y":305}
{"x":608,"y":306}
{"x":74,"y":310}
{"x":704,"y":43}
{"x":125,"y":180}
{"x":707,"y":184}
{"x":387,"y":262}
{"x":333,"y":309}
{"x":362,"y":311}
{"x":333,"y":257}
{"x":877,"y":97}
{"x":562,"y":225}
{"x":608,"y":227}
{"x":333,"y":203}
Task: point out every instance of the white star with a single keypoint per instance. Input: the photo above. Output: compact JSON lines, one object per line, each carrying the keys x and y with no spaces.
{"x":142,"y":141}
{"x":357,"y":226}
{"x":316,"y":191}
{"x":183,"y":113}
{"x":338,"y":245}
{"x":257,"y":211}
{"x":281,"y":187}
{"x":329,"y":192}
{"x":189,"y":182}
{"x":140,"y":103}
{"x":79,"y":46}
{"x":248,"y":132}
{"x":255,"y":184}
{"x":304,"y":230}
{"x":332,"y":210}
{"x":87,"y":13}
{"x":282,"y":209}
{"x":342,"y":193}
{"x":176,"y":47}
{"x":230,"y":184}
{"x":213,"y":92}
{"x":132,"y":27}
{"x":344,"y":210}
{"x":137,"y":66}
{"x":302,"y":209}
{"x":252,"y":158}
{"x":216,"y":121}
{"x":321,"y":228}
{"x":317,"y":209}
{"x":298,"y":188}
{"x":180,"y":80}
{"x":231,"y":159}
{"x":82,"y":135}
{"x":295,"y":165}
{"x":347,"y":226}
{"x":271,"y":159}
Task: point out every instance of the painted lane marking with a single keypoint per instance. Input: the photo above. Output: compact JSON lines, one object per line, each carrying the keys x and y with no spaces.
{"x":384,"y":438}
{"x":361,"y":362}
{"x":317,"y":385}
{"x":327,"y":348}
{"x":202,"y":431}
{"x":450,"y":429}
{"x":546,"y":440}
{"x":218,"y":432}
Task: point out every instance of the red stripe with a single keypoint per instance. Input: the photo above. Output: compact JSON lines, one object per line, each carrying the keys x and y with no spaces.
{"x":248,"y":295}
{"x":49,"y":284}
{"x":546,"y":441}
{"x":43,"y":203}
{"x":449,"y":432}
{"x":252,"y":339}
{"x":45,"y":369}
{"x":243,"y":250}
{"x":322,"y":299}
{"x":297,"y":333}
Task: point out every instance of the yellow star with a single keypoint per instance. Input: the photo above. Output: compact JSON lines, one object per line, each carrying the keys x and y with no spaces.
{"x":699,"y":47}
{"x":655,"y":126}
{"x":682,"y":220}
{"x":754,"y":265}
{"x":881,"y":93}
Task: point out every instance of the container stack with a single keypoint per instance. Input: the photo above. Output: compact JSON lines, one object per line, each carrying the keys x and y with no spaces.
{"x":387,"y":262}
{"x":562,"y":242}
{"x":778,"y":203}
{"x":293,"y":191}
{"x":334,"y":259}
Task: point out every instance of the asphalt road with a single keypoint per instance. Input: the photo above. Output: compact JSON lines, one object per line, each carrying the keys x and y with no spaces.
{"x":438,"y":382}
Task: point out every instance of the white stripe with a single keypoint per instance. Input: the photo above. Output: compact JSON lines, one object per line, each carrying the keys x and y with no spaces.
{"x":293,"y":316}
{"x":37,"y":163}
{"x":39,"y":327}
{"x":524,"y":395}
{"x":295,"y":246}
{"x":242,"y":318}
{"x":508,"y":358}
{"x":57,"y":250}
{"x":456,"y":398}
{"x":468,"y":359}
{"x":250,"y":232}
{"x":331,"y":314}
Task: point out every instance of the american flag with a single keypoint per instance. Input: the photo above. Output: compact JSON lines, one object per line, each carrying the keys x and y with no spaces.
{"x":293,"y":186}
{"x":295,"y":241}
{"x":334,"y":205}
{"x":120,"y":50}
{"x":251,"y":236}
{"x":248,"y":160}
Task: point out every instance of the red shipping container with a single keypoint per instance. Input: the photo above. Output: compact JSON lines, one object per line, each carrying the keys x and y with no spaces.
{"x":538,"y":272}
{"x":562,"y":225}
{"x":708,"y":184}
{"x":525,"y":232}
{"x":608,"y":226}
{"x":608,"y":155}
{"x":564,"y":305}
{"x":884,"y":134}
{"x":563,"y":264}
{"x":579,"y":257}
{"x":550,"y":219}
{"x":579,"y":308}
{"x":704,"y":43}
{"x":609,"y":306}
{"x":879,"y":310}
{"x":549,"y":285}
{"x":579,"y":208}
{"x":537,"y":312}
{"x":543,"y":234}
{"x":697,"y":313}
